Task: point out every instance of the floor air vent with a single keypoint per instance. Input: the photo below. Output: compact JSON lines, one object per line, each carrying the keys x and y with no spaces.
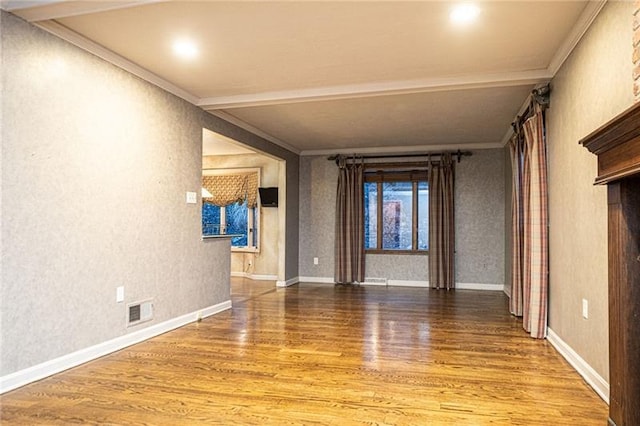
{"x":139,"y":312}
{"x":374,"y":281}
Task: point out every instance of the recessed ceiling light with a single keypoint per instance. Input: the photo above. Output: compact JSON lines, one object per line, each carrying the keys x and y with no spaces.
{"x":464,"y":13}
{"x":185,"y":49}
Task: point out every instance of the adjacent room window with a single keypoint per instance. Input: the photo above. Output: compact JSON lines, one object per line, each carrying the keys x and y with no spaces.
{"x":396,"y":206}
{"x":230,"y":206}
{"x":234,"y":219}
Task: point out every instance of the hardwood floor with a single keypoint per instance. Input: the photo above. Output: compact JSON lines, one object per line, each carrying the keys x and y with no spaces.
{"x":323,"y":354}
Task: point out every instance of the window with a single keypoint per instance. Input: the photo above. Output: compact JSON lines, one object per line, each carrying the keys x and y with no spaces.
{"x":234,"y":219}
{"x":230,"y":206}
{"x":396,"y":206}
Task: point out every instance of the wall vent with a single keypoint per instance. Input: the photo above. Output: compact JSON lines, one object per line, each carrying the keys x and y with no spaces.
{"x":138,"y":312}
{"x":375,"y":281}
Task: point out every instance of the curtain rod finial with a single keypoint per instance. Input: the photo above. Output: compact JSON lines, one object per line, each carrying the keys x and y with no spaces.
{"x":541,"y":95}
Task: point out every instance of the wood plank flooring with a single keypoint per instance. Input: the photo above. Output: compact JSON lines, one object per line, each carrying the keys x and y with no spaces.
{"x":327,"y":355}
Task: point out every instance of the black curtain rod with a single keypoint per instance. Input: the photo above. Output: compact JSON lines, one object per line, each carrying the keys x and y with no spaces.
{"x":459,"y":154}
{"x":541,"y":96}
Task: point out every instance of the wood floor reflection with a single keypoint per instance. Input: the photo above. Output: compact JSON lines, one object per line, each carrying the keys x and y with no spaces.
{"x":330,"y":355}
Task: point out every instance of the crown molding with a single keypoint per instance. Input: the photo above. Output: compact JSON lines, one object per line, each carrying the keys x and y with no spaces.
{"x":82,"y":42}
{"x":588,"y":15}
{"x":385,"y":88}
{"x":401,"y":149}
{"x":507,"y":136}
{"x":591,"y":10}
{"x":256,"y":131}
{"x":43,"y":10}
{"x":98,"y":50}
{"x":509,"y":132}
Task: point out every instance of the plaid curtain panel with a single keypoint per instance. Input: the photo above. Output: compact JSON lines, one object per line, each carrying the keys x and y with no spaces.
{"x":517,"y":225}
{"x":349,"y":249}
{"x":441,"y":224}
{"x":530,"y":279}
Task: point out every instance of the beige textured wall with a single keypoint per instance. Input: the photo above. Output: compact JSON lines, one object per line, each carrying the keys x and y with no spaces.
{"x":592,"y":87}
{"x":479,"y":223}
{"x":95,"y":166}
{"x":479,"y":201}
{"x":318,"y":180}
{"x":266,"y":261}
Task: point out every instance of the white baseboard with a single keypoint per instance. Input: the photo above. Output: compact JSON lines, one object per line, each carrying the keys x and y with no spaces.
{"x":264,"y":277}
{"x":289,"y":282}
{"x":480,"y":286}
{"x":240,"y":274}
{"x":56,"y":365}
{"x":375,"y":284}
{"x":324,"y":280}
{"x":409,"y":283}
{"x":507,"y":291}
{"x":255,"y":277}
{"x":590,"y":375}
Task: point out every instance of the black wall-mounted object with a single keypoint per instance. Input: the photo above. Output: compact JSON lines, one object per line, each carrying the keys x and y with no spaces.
{"x":268,"y":197}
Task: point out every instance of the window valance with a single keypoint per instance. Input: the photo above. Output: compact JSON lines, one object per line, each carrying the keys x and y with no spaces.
{"x":232,"y":188}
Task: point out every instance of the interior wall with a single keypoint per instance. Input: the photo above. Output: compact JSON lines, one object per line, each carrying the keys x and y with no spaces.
{"x":318,"y":180}
{"x":95,"y":167}
{"x":479,"y":207}
{"x":479,"y":202}
{"x":593,"y":86}
{"x":265,"y":262}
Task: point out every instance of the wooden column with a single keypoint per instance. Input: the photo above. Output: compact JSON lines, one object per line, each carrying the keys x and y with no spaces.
{"x":617,"y":145}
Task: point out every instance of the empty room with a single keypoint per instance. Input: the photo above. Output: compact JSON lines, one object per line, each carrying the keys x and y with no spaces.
{"x":320,"y":212}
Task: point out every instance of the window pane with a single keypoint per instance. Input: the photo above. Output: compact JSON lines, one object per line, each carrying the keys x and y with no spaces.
{"x":423,"y":216}
{"x":370,"y":215}
{"x":210,"y":219}
{"x":397,"y":215}
{"x":236,"y":216}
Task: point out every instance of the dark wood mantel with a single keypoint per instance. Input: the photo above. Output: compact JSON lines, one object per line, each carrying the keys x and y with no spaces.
{"x":617,"y":145}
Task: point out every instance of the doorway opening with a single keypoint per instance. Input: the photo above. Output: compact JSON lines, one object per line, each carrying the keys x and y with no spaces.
{"x":258,"y":242}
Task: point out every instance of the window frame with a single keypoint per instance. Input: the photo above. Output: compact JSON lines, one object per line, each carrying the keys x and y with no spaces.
{"x":381,"y":176}
{"x":253,"y":214}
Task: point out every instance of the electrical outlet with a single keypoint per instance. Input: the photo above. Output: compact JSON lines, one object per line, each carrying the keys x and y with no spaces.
{"x":192,"y":197}
{"x":315,"y":260}
{"x":585,"y":308}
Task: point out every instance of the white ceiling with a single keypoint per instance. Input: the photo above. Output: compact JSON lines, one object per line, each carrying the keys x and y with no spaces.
{"x":320,"y":76}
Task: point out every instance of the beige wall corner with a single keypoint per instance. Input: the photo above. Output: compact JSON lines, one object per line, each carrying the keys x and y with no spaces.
{"x":591,"y":87}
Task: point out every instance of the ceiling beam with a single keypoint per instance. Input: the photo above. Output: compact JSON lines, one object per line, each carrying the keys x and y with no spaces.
{"x":366,"y":90}
{"x":402,"y":149}
{"x":43,"y":10}
{"x":248,"y":127}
